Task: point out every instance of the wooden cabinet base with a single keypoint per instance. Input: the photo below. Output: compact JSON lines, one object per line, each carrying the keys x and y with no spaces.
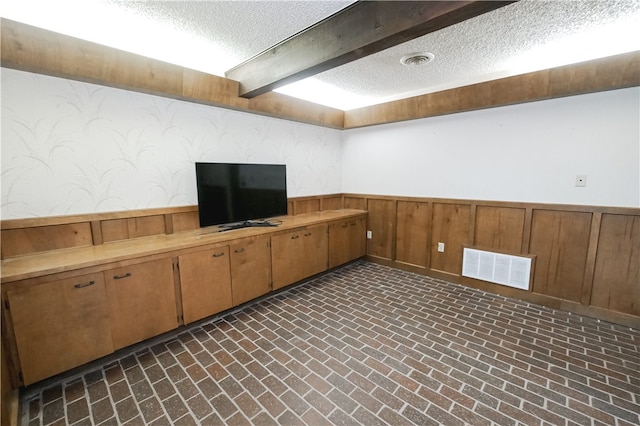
{"x":62,"y":309}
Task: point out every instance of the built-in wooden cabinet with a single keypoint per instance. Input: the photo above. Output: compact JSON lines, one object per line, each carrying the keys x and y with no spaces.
{"x":59,"y":324}
{"x":62,"y":309}
{"x":205,"y":283}
{"x":250,"y":269}
{"x":347,"y":240}
{"x":214,"y":280}
{"x":298,"y":254}
{"x":141,"y":300}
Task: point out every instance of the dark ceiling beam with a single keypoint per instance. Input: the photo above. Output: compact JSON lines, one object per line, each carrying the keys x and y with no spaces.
{"x":361,"y":29}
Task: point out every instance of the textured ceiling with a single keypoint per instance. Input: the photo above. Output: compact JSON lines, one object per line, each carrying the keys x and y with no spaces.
{"x":216,"y":35}
{"x":240,"y":29}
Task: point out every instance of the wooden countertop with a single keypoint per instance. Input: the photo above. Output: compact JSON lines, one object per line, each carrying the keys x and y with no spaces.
{"x":51,"y":262}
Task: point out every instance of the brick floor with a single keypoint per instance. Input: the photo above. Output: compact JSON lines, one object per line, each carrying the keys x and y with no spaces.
{"x":364,"y":344}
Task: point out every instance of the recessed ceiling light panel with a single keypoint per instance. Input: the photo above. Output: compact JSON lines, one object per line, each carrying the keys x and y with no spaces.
{"x":417,"y":58}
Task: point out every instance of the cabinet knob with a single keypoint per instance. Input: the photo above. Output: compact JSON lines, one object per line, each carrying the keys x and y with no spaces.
{"x":119,"y":277}
{"x":83,"y":285}
{"x":218,"y":254}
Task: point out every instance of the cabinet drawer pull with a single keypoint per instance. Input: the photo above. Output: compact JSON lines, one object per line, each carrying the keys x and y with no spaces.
{"x":346,"y":225}
{"x":307,"y":234}
{"x":83,"y":285}
{"x":218,"y":254}
{"x":295,"y":237}
{"x":240,"y":250}
{"x":119,"y":277}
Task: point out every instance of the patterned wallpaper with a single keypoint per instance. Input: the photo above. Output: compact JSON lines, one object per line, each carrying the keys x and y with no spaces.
{"x":70,"y":147}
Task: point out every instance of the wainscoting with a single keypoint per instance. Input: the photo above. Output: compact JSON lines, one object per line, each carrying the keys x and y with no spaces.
{"x":586,"y":259}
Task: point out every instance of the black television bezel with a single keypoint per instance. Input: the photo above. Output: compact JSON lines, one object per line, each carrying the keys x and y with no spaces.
{"x":208,"y":218}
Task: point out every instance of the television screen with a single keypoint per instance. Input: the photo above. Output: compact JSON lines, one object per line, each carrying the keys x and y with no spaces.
{"x":231,"y":193}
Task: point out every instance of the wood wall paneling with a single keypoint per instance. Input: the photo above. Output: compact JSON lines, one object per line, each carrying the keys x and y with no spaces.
{"x":614,"y":72}
{"x":135,"y":227}
{"x":114,"y":230}
{"x":381,"y":221}
{"x":357,"y":203}
{"x":33,"y":49}
{"x":306,"y":206}
{"x":279,"y":105}
{"x":412,"y":233}
{"x":518,"y":89}
{"x":400,"y":110}
{"x":499,"y":228}
{"x":616,"y":283}
{"x":207,"y":88}
{"x":185,"y":221}
{"x":331,"y":203}
{"x":601,"y":74}
{"x":20,"y":241}
{"x":450,"y":225}
{"x":560,"y":240}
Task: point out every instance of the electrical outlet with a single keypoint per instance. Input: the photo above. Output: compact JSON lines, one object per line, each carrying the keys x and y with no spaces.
{"x":581,"y":180}
{"x":441,"y":247}
{"x":369,"y":235}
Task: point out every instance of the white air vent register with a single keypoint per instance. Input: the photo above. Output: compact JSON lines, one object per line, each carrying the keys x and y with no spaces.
{"x":512,"y":271}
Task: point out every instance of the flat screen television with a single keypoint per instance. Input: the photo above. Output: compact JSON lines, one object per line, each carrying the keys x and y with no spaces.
{"x":240,"y":195}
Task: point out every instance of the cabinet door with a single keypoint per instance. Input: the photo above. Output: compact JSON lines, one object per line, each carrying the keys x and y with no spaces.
{"x":142,"y":301}
{"x":346,"y":241}
{"x":316,"y":250}
{"x":60,"y":325}
{"x":250,"y":269}
{"x":205,"y":283}
{"x":286,"y":254}
{"x":299,"y":254}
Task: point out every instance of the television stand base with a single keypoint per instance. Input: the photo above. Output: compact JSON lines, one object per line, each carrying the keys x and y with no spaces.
{"x":248,"y":224}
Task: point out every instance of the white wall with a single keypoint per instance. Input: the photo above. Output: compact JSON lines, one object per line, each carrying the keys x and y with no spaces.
{"x":71,"y":147}
{"x":530,"y":152}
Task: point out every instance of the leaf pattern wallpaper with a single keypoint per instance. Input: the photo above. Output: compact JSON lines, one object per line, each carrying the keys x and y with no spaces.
{"x":70,"y":148}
